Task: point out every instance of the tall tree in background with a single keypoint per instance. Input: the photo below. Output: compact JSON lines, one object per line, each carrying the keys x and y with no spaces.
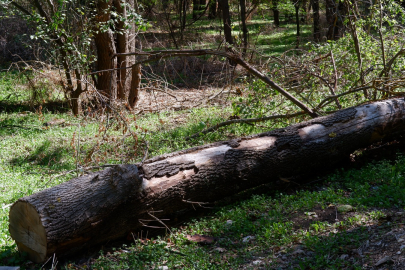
{"x":297,"y":21}
{"x":276,"y":12}
{"x":315,"y":16}
{"x":242,"y":4}
{"x":104,"y":41}
{"x":226,"y":17}
{"x":331,"y":18}
{"x":196,"y":8}
{"x":212,"y":13}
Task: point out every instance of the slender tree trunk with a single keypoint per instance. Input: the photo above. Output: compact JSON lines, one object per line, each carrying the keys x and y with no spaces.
{"x":330,"y":18}
{"x":183,"y":16}
{"x":315,"y":15}
{"x":304,"y":8}
{"x":297,"y":19}
{"x":308,"y":9}
{"x":212,"y":13}
{"x":122,"y":47}
{"x":276,"y":13}
{"x":104,"y":41}
{"x":203,"y":4}
{"x":75,"y":102}
{"x":244,"y":28}
{"x":133,"y":96}
{"x":196,"y":8}
{"x":226,"y":17}
{"x":341,"y":15}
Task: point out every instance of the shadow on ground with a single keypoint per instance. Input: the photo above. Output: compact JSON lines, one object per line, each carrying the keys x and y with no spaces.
{"x":45,"y":155}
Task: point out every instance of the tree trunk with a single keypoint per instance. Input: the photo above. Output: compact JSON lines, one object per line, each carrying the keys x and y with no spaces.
{"x":135,"y":85}
{"x":75,"y":102}
{"x":315,"y":15}
{"x":276,"y":13}
{"x":244,"y":28}
{"x":122,"y":47}
{"x":331,"y":18}
{"x":102,"y":206}
{"x":212,"y":13}
{"x":297,"y":19}
{"x":104,"y":41}
{"x":227,"y":21}
{"x":196,"y":9}
{"x":341,"y":16}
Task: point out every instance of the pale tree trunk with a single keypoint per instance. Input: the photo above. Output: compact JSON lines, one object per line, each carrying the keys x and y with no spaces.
{"x":99,"y":207}
{"x":104,"y":41}
{"x":133,"y":97}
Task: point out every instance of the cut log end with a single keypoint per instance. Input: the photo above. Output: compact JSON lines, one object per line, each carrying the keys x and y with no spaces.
{"x":27,"y":230}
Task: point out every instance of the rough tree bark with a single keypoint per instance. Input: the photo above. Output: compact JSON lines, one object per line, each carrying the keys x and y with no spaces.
{"x":104,"y":41}
{"x":331,"y":18}
{"x":276,"y":13}
{"x":106,"y":205}
{"x":212,"y":13}
{"x":242,"y":4}
{"x":121,"y":47}
{"x":315,"y":16}
{"x":226,"y":17}
{"x":133,"y":97}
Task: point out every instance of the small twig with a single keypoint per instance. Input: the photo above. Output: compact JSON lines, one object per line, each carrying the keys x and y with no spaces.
{"x":324,"y":102}
{"x":198,"y":203}
{"x":333,"y":91}
{"x":145,"y":155}
{"x":45,"y":262}
{"x":160,"y":221}
{"x":175,"y":251}
{"x":160,"y":90}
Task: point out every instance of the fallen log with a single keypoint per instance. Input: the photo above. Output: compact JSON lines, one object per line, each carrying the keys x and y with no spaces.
{"x":98,"y":207}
